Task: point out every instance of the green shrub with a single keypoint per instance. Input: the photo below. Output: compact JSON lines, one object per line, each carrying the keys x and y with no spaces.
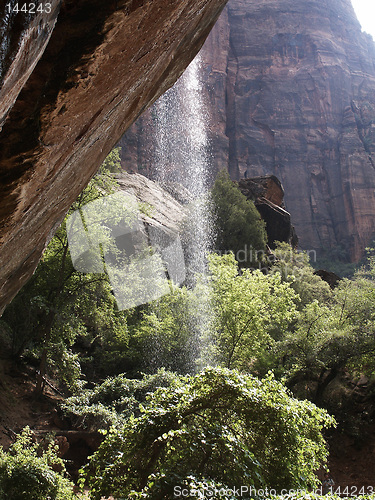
{"x":168,"y":332}
{"x":239,"y":227}
{"x":251,"y":311}
{"x":295,"y":268}
{"x":215,"y":426}
{"x":26,"y":472}
{"x":113,"y":401}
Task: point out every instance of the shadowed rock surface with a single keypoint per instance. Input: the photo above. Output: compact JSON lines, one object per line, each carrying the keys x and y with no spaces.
{"x":79,"y":77}
{"x":290,"y":86}
{"x":329,"y":277}
{"x":267,"y":193}
{"x":292,"y":89}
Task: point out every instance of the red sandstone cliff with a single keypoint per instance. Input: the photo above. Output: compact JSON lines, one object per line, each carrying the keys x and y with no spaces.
{"x":71,"y":82}
{"x":296,"y":83}
{"x":290,"y":86}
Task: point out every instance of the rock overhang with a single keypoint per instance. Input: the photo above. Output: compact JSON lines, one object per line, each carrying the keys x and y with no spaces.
{"x":102,"y":65}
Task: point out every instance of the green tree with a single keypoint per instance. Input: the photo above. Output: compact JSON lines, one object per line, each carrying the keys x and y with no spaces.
{"x":60,"y":304}
{"x":329,"y":336}
{"x":216,"y":426}
{"x":295,"y":268}
{"x":112,"y":163}
{"x":238,"y":223}
{"x":251,"y":311}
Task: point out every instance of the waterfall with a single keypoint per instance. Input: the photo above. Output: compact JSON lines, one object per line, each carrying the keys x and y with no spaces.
{"x":182,"y":158}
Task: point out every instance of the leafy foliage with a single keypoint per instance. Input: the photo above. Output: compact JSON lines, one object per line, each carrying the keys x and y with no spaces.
{"x":250,"y":311}
{"x":218,"y":425}
{"x":113,"y":401}
{"x":239,"y":226}
{"x":167,"y":334}
{"x":29,"y":473}
{"x":216,"y":428}
{"x":60,"y":304}
{"x":295,"y":268}
{"x":334,"y":329}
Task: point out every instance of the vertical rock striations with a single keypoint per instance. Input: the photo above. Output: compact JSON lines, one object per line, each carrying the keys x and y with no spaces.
{"x":71,"y":82}
{"x":291,"y":91}
{"x":293,"y":88}
{"x":23,"y":39}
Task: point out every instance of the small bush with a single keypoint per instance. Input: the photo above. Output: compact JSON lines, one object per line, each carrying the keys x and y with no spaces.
{"x":26,"y":472}
{"x":239,"y":226}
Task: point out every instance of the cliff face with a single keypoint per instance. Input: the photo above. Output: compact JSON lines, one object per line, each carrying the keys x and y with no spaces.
{"x":71,"y":82}
{"x":292,"y":86}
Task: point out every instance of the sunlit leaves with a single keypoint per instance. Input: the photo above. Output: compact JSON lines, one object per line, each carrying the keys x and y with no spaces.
{"x":216,"y":426}
{"x":28,"y":471}
{"x":251,"y":311}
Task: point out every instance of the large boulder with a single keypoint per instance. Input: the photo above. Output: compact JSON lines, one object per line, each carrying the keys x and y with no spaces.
{"x":267,"y":193}
{"x":162,"y":211}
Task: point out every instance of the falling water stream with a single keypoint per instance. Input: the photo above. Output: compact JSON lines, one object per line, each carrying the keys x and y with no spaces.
{"x":181,"y":163}
{"x":182,"y":157}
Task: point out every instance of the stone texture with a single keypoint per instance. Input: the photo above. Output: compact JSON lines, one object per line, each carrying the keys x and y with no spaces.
{"x":89,"y":75}
{"x":267,"y":193}
{"x":329,"y":277}
{"x":163,"y":212}
{"x":20,"y":52}
{"x":267,"y":186}
{"x":296,"y":90}
{"x":290,"y":87}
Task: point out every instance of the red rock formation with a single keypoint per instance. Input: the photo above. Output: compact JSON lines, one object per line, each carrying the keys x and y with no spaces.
{"x":267,"y":193}
{"x":291,"y":92}
{"x":69,"y":91}
{"x":294,"y":95}
{"x":268,"y":187}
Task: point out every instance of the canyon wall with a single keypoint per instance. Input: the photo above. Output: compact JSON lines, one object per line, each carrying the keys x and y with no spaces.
{"x":291,"y":91}
{"x":73,"y":78}
{"x":297,"y":83}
